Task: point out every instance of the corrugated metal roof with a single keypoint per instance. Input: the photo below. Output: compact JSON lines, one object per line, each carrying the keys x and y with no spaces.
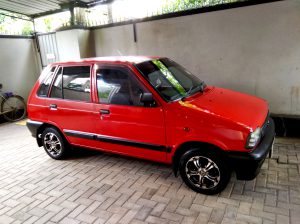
{"x":34,"y":8}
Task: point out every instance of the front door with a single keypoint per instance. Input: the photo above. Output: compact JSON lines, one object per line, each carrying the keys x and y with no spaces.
{"x":123,"y":123}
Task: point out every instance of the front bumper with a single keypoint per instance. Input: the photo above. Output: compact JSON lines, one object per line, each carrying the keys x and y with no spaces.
{"x":247,"y":164}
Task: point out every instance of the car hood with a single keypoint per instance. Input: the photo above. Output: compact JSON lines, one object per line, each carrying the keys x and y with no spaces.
{"x":245,"y":110}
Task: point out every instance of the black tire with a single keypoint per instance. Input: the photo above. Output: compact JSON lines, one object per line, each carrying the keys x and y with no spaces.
{"x":54,"y":144}
{"x":199,"y":176}
{"x":13,"y":108}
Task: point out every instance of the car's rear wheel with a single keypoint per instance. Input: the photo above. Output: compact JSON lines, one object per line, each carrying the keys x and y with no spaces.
{"x":54,"y":143}
{"x":203,"y":171}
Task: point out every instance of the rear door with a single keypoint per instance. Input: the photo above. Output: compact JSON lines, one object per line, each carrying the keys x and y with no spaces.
{"x":69,"y":103}
{"x":124,"y":124}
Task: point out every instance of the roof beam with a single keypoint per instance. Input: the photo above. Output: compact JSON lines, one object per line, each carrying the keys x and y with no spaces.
{"x":12,"y":11}
{"x":98,"y":2}
{"x":15,"y":8}
{"x":25,"y":5}
{"x":41,"y":4}
{"x":38,"y":15}
{"x":16,"y":17}
{"x":21,"y":6}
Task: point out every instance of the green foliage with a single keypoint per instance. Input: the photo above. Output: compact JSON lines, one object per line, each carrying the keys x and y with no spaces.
{"x":27,"y":28}
{"x":180,"y":5}
{"x":48,"y":23}
{"x":15,"y":26}
{"x":2,"y":18}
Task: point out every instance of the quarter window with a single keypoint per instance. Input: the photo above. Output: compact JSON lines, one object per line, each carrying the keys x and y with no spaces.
{"x":56,"y":91}
{"x":45,"y":85}
{"x":117,"y":85}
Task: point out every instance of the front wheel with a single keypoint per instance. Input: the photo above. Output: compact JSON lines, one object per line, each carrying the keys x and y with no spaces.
{"x":13,"y":108}
{"x":204,"y":171}
{"x":54,"y":144}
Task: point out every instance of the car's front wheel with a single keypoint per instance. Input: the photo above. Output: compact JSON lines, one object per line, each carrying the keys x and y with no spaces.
{"x":204,"y":171}
{"x":54,"y":144}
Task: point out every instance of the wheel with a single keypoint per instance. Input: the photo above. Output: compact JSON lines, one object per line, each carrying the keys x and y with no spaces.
{"x":54,"y":144}
{"x":204,"y":171}
{"x":13,"y":108}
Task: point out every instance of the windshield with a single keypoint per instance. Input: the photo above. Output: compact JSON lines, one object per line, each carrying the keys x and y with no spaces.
{"x":171,"y":80}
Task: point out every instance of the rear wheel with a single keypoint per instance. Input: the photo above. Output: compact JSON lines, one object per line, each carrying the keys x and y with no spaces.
{"x":204,"y":171}
{"x":13,"y":108}
{"x":54,"y":144}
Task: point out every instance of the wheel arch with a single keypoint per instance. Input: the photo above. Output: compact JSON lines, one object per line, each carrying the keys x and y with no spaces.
{"x":42,"y":128}
{"x":186,"y":146}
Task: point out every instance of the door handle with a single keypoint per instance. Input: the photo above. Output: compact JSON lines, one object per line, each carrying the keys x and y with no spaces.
{"x":53,"y":106}
{"x":103,"y":111}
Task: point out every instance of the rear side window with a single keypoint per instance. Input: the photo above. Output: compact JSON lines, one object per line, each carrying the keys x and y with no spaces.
{"x":45,"y":85}
{"x":72,"y":83}
{"x":76,"y":83}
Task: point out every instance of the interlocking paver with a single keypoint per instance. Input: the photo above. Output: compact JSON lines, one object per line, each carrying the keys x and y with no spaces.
{"x":94,"y":187}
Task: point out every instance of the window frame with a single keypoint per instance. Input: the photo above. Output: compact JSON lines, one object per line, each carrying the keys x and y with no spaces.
{"x":72,"y":65}
{"x":134,"y":76}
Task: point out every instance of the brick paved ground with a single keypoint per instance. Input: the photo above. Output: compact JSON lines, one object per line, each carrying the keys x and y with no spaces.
{"x":102,"y":188}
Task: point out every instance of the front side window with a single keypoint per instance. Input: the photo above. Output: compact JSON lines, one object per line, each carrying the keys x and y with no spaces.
{"x":72,"y":83}
{"x":117,"y":85}
{"x":45,"y":85}
{"x":170,"y":80}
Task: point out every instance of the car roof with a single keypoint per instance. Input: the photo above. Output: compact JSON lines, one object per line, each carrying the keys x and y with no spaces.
{"x":125,"y":59}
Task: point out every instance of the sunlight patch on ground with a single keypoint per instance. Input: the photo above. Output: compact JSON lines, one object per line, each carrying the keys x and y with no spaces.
{"x":22,"y":122}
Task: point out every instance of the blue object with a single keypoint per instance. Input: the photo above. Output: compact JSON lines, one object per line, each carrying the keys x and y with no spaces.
{"x":8,"y":94}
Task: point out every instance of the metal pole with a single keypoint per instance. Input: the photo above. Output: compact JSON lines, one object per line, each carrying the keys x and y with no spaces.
{"x":72,"y":20}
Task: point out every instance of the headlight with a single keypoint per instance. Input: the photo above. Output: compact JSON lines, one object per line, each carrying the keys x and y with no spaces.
{"x":253,"y":138}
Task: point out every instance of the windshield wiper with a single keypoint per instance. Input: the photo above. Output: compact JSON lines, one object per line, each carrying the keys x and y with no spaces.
{"x":203,"y":86}
{"x":199,"y":88}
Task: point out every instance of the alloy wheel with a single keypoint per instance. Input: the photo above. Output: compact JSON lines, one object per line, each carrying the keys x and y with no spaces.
{"x":52,"y":144}
{"x":202,"y":172}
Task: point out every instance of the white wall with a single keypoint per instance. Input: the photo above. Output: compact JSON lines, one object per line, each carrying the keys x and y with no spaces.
{"x":253,"y":49}
{"x":19,"y":65}
{"x":67,"y":44}
{"x":74,"y":44}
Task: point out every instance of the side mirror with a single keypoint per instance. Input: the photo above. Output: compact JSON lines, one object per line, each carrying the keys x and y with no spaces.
{"x":147,"y":99}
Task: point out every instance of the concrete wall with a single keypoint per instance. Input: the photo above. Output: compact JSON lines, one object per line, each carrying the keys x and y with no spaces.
{"x":86,"y":44}
{"x":67,"y":44}
{"x":253,"y":49}
{"x":19,"y":65}
{"x":75,"y":44}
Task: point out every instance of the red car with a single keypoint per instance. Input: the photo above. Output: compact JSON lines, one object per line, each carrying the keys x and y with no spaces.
{"x":151,"y":108}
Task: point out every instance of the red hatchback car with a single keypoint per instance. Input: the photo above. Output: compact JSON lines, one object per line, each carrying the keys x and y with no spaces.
{"x":151,"y":108}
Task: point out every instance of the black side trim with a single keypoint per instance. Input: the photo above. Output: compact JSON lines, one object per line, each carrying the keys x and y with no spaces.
{"x":3,"y":36}
{"x":33,"y":126}
{"x":78,"y":134}
{"x":118,"y":141}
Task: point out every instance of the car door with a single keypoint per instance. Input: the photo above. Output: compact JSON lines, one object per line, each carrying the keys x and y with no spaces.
{"x":123,"y":123}
{"x":69,"y":103}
